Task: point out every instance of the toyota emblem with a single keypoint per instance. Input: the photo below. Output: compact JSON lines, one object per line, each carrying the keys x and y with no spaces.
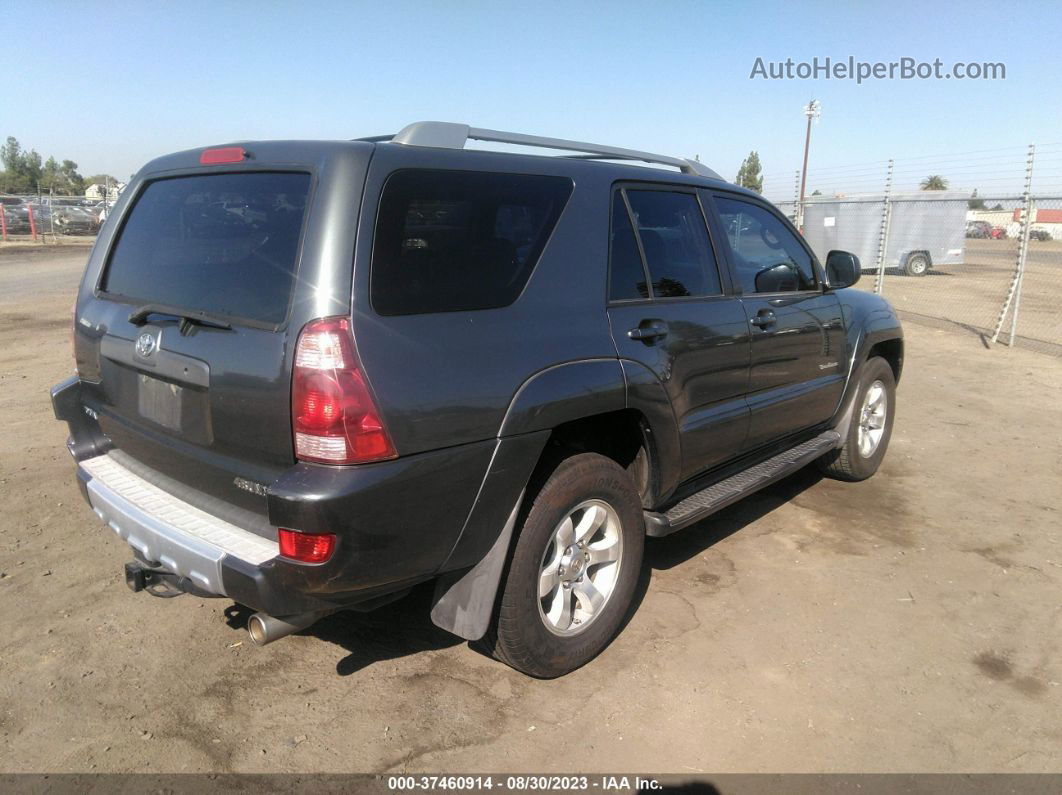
{"x":145,"y":345}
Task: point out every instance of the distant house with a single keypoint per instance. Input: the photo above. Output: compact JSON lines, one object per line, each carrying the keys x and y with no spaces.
{"x":96,"y":191}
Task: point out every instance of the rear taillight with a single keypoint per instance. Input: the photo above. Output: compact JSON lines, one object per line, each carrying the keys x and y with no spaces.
{"x":306,"y":547}
{"x":332,"y":409}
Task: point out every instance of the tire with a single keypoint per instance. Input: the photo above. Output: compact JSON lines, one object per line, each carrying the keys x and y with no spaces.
{"x":849,"y":462}
{"x":916,"y":265}
{"x":589,"y":487}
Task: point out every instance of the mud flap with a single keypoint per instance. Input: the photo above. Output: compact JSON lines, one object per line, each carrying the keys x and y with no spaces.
{"x":463,"y":602}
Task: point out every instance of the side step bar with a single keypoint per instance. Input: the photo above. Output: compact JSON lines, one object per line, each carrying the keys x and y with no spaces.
{"x":725,"y":492}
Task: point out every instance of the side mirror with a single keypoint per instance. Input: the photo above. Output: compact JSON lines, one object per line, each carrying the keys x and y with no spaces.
{"x":842,"y":269}
{"x":779,"y":278}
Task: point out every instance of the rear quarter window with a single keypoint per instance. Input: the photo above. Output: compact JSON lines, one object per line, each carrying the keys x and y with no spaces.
{"x":220,"y":243}
{"x":449,"y":241}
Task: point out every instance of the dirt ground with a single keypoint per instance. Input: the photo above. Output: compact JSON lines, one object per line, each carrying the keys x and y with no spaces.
{"x":909,"y":623}
{"x":971,"y":294}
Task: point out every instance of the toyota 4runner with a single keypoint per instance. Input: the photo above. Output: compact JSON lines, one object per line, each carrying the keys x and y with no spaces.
{"x":311,"y":375}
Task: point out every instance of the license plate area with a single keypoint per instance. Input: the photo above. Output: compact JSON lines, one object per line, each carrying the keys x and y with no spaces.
{"x":160,"y":401}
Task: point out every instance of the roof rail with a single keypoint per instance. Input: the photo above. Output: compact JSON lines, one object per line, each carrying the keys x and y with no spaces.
{"x":449,"y":135}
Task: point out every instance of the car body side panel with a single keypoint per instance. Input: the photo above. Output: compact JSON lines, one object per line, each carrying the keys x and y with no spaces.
{"x":393,"y":520}
{"x":564,"y":393}
{"x":797,"y":373}
{"x":868,"y":320}
{"x":449,"y":377}
{"x":510,"y":468}
{"x":646,"y":394}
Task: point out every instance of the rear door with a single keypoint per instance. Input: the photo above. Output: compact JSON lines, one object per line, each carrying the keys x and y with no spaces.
{"x":184,"y":327}
{"x":671,"y":310}
{"x":797,"y":370}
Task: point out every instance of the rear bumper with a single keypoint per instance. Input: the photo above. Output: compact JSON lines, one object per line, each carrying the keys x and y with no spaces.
{"x":166,"y":531}
{"x":221,"y":559}
{"x":397,"y":522}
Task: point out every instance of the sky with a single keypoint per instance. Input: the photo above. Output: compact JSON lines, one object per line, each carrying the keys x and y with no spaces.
{"x":112,"y":85}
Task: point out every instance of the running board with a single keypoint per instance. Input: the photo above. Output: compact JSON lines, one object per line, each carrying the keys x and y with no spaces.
{"x":725,"y":492}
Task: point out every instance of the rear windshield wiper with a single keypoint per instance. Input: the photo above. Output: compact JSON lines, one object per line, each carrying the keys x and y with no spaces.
{"x":188,"y":317}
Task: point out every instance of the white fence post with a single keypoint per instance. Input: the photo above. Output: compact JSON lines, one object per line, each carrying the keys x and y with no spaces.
{"x":1030,"y":210}
{"x":1014,"y":291}
{"x":883,"y":232}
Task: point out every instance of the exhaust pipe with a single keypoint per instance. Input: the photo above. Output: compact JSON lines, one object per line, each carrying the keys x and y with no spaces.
{"x":265,"y":629}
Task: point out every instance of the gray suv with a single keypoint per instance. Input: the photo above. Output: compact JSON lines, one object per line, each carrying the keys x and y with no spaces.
{"x":311,"y":375}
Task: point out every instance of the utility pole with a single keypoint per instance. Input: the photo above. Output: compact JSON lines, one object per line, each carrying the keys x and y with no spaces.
{"x":812,"y":110}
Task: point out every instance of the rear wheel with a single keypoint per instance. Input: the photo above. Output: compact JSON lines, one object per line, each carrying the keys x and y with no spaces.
{"x":573,"y":571}
{"x":871,"y":426}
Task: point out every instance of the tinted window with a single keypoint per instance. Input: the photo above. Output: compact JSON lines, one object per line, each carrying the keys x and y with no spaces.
{"x":767,"y":256}
{"x":457,"y":240}
{"x":675,"y":240}
{"x":627,"y":276}
{"x":221,"y":243}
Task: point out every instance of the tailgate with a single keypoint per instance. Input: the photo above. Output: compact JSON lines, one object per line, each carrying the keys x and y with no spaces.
{"x":183,"y":331}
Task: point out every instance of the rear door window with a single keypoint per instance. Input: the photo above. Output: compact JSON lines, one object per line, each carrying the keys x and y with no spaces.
{"x":450,"y":241}
{"x":220,"y":243}
{"x":675,"y":241}
{"x":627,"y":280}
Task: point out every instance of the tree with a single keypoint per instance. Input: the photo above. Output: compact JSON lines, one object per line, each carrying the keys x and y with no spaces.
{"x":975,"y":203}
{"x":749,"y":175}
{"x":22,"y":169}
{"x":99,"y":179}
{"x":934,"y":182}
{"x":816,"y":193}
{"x":75,"y":184}
{"x":61,"y":178}
{"x":11,"y":155}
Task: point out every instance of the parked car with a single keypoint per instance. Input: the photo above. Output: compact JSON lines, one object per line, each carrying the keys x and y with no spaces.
{"x":1039,"y":233}
{"x":70,"y":220}
{"x":414,"y":362}
{"x":999,"y":233}
{"x":16,"y":219}
{"x":978,"y":229}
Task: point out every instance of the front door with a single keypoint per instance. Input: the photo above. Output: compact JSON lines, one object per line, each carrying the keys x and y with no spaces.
{"x":798,"y":358}
{"x":668,"y":310}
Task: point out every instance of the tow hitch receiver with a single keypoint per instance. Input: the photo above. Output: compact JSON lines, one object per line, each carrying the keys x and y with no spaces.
{"x":157,"y":582}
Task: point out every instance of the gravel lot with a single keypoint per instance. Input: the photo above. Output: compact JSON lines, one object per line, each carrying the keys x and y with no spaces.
{"x":910,"y":623}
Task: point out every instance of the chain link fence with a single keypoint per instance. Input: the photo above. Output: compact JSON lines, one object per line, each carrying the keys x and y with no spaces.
{"x":50,"y":219}
{"x":986,"y":262}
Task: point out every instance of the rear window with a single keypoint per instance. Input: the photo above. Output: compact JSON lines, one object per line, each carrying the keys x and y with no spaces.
{"x":449,"y":241}
{"x":220,"y":243}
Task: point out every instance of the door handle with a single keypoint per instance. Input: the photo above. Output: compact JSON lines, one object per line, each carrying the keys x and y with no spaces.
{"x":763,"y":319}
{"x":648,"y":330}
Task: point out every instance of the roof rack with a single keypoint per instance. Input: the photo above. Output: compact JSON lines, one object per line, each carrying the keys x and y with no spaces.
{"x":449,"y":135}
